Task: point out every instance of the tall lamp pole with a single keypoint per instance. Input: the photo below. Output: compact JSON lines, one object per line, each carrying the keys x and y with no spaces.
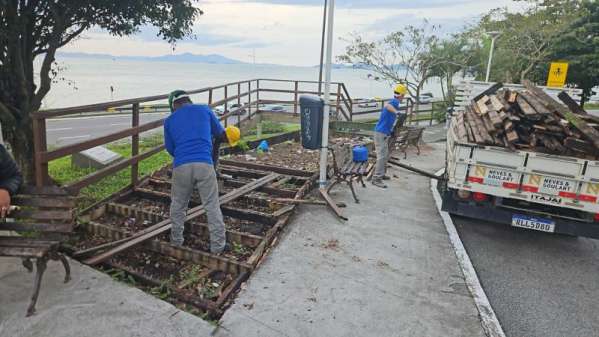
{"x":327,"y":100}
{"x":324,"y":25}
{"x":493,"y":36}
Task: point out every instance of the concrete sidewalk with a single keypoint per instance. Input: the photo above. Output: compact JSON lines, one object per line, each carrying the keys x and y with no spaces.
{"x":90,"y":305}
{"x":388,"y":271}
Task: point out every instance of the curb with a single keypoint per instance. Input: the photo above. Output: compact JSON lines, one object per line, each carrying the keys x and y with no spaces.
{"x":489,"y":321}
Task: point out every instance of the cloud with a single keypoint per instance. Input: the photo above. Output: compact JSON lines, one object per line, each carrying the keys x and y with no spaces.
{"x":250,"y":45}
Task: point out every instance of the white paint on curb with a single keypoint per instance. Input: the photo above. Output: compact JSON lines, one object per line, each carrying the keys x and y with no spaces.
{"x":489,"y":320}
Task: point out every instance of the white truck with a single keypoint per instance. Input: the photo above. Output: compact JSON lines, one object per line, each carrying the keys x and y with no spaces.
{"x":549,"y":193}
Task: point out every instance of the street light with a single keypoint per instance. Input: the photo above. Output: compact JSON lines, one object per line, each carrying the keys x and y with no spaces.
{"x":327,"y":100}
{"x":493,"y":36}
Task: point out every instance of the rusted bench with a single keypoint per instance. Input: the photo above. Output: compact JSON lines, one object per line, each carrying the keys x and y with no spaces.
{"x":409,"y":137}
{"x":348,"y":172}
{"x":43,"y":219}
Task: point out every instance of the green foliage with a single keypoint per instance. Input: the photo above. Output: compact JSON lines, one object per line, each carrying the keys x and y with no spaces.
{"x":62,"y":171}
{"x":239,"y":249}
{"x":33,"y":29}
{"x":269,"y":127}
{"x":401,"y":57}
{"x":578,"y":44}
{"x":243,"y":145}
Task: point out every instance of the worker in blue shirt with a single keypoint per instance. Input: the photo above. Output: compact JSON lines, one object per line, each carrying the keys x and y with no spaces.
{"x":382,"y":132}
{"x":192,"y":135}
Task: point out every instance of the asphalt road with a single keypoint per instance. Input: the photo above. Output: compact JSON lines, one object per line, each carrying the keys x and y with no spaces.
{"x":540,"y":285}
{"x":64,"y":131}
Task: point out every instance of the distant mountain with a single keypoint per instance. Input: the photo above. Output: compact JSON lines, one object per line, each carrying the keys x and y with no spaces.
{"x":181,"y":58}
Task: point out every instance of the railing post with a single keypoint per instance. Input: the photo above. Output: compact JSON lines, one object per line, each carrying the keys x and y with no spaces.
{"x":257,"y":96}
{"x":225,"y":108}
{"x":250,"y":99}
{"x":210,"y":97}
{"x":432,"y":112}
{"x":40,"y":146}
{"x":295,"y":99}
{"x":134,"y":144}
{"x":239,"y":104}
{"x":338,"y":101}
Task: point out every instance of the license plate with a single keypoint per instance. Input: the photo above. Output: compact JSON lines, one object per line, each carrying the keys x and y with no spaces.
{"x":537,"y":224}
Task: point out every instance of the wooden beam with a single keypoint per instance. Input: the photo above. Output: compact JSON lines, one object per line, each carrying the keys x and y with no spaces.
{"x":165,"y":225}
{"x":268,"y":168}
{"x":586,"y":130}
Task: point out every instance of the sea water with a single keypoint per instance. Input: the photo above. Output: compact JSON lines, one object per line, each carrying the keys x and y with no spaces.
{"x":88,"y":80}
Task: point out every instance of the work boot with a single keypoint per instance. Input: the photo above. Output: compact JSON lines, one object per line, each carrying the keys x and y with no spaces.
{"x":227,"y":249}
{"x":378,"y":182}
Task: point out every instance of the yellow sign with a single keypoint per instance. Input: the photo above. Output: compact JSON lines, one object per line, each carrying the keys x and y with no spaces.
{"x":557,"y":74}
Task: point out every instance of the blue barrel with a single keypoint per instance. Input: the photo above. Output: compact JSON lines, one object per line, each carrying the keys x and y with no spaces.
{"x":360,"y":153}
{"x":311,"y":113}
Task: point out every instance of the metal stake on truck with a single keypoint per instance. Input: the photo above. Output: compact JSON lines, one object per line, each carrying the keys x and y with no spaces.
{"x":521,"y":187}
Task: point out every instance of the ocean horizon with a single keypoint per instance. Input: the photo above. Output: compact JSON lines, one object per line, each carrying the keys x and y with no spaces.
{"x":88,"y":80}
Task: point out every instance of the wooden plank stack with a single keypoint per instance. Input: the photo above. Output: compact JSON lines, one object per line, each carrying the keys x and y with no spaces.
{"x":529,"y":120}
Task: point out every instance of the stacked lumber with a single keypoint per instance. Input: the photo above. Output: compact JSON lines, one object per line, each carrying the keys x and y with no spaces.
{"x":529,"y":119}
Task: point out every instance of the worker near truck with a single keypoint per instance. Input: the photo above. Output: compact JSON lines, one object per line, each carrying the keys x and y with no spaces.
{"x":192,"y":136}
{"x":383,"y":130}
{"x":10,"y":181}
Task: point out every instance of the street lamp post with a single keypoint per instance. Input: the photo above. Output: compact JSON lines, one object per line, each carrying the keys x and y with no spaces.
{"x":327,"y":100}
{"x":493,"y":36}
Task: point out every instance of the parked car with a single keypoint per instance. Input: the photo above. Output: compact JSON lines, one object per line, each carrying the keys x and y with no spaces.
{"x":370,"y":103}
{"x":425,"y":98}
{"x":236,"y":109}
{"x":274,"y":108}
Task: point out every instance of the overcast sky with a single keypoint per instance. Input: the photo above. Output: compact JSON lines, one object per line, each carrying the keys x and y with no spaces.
{"x":288,"y":31}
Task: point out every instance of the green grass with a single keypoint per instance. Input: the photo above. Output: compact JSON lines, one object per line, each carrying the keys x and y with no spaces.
{"x":276,"y":127}
{"x":591,"y":106}
{"x":62,"y":171}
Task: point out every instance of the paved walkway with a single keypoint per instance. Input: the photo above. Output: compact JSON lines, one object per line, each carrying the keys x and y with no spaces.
{"x":388,"y":271}
{"x":90,"y":305}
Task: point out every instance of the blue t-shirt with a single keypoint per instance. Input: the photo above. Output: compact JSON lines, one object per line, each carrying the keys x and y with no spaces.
{"x":387,"y":119}
{"x":188,"y":134}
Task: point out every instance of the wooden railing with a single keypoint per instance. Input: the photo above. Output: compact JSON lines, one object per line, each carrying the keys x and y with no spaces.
{"x":253,"y":96}
{"x":214,"y":96}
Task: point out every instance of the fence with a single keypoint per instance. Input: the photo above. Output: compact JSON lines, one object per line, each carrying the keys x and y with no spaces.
{"x":247,"y":97}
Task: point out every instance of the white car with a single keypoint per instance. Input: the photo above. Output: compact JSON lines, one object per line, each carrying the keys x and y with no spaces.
{"x":370,"y":103}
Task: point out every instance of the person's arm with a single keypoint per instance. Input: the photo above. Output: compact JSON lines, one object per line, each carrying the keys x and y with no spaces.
{"x":10,"y":180}
{"x":218,"y":136}
{"x":391,"y":108}
{"x":168,"y":141}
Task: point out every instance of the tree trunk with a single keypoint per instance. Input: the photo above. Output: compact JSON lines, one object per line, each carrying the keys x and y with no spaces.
{"x":22,"y":148}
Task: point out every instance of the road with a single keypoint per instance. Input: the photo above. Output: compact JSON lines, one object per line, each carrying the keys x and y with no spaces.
{"x":64,"y":131}
{"x":540,"y":285}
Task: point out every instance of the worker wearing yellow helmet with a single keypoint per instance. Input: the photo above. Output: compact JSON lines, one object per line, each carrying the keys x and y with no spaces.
{"x":192,"y":136}
{"x":382,"y":131}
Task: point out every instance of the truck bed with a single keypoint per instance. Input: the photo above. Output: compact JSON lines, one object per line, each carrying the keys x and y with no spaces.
{"x":540,"y":178}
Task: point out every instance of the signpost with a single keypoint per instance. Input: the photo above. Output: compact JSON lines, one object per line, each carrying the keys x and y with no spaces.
{"x":557,"y":74}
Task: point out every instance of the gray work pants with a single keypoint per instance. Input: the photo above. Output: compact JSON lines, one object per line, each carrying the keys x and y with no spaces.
{"x":381,"y":147}
{"x":203,"y":177}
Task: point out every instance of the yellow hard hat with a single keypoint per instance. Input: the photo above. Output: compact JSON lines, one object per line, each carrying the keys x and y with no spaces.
{"x":400,"y":89}
{"x":233,"y":134}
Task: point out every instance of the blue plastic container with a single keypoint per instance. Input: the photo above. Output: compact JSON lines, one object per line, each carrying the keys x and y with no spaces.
{"x":263,"y":146}
{"x":360,"y":153}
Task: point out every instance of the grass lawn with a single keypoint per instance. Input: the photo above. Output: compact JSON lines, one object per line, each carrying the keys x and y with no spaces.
{"x":62,"y":171}
{"x":591,"y":106}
